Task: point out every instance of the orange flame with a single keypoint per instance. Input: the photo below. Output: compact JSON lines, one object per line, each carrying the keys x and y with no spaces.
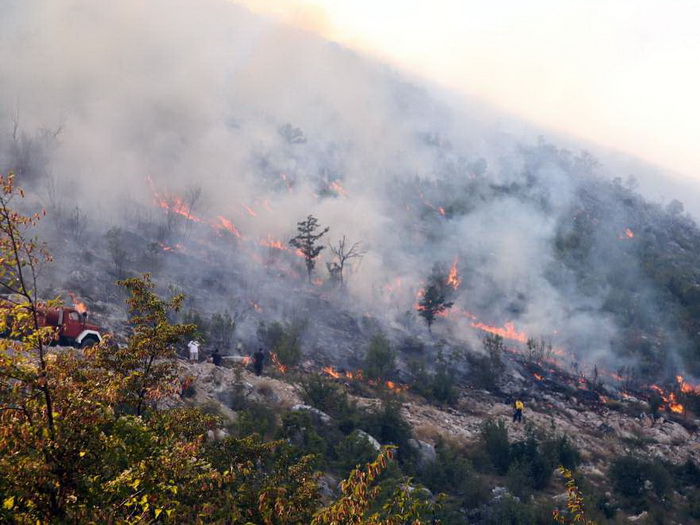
{"x":538,"y":377}
{"x":78,"y":305}
{"x":177,"y":248}
{"x":670,"y":399}
{"x":250,"y":211}
{"x":227,"y":225}
{"x":389,"y":287}
{"x":286,"y":182}
{"x":171,"y":203}
{"x":394,"y":387}
{"x":275,"y":361}
{"x":331,"y":372}
{"x":453,"y":278}
{"x":627,"y":234}
{"x":342,"y":192}
{"x":246,"y":360}
{"x":508,"y":331}
{"x":271,"y":243}
{"x":256,"y":306}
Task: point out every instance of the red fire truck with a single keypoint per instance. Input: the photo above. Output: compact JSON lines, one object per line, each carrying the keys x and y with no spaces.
{"x":72,"y":326}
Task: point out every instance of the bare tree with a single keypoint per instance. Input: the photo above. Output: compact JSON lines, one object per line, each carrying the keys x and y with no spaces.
{"x":344,"y":253}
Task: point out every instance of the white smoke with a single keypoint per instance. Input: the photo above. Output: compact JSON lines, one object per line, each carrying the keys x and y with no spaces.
{"x":195,"y":94}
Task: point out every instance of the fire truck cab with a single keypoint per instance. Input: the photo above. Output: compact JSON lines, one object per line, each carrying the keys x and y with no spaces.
{"x":73,"y":328}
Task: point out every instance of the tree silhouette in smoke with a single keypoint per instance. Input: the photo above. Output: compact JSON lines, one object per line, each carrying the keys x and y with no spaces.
{"x":433,"y":300}
{"x":306,"y":241}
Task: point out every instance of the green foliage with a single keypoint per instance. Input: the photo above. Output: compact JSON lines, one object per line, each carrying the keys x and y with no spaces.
{"x":282,"y":339}
{"x":434,"y":299}
{"x":359,"y":492}
{"x":508,"y":510}
{"x":306,"y":241}
{"x":298,"y":429}
{"x":256,"y":418}
{"x":494,"y":439}
{"x":387,"y":425}
{"x":452,"y":473}
{"x":380,"y":359}
{"x":629,"y":475}
{"x":438,"y":386}
{"x":563,"y":450}
{"x":353,"y":450}
{"x":488,"y":369}
{"x":267,"y":482}
{"x":85,"y":436}
{"x":327,"y":396}
{"x":148,"y":360}
{"x":222,"y":328}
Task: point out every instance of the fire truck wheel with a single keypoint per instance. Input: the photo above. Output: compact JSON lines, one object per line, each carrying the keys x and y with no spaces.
{"x":88,"y":341}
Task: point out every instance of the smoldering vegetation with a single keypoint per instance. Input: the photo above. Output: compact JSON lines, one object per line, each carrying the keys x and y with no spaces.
{"x":187,"y":139}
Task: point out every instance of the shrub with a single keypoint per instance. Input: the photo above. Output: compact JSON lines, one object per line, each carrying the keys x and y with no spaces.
{"x":508,"y":511}
{"x":283,"y":340}
{"x":565,"y":452}
{"x":537,"y":464}
{"x":438,"y":386}
{"x":326,"y":395}
{"x":380,"y":359}
{"x":298,"y":429}
{"x":353,"y":450}
{"x":255,"y":418}
{"x":488,"y":369}
{"x":388,"y":426}
{"x":494,"y":439}
{"x":452,"y":472}
{"x":629,"y":474}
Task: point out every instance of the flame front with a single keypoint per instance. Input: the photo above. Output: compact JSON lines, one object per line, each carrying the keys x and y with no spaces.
{"x":78,"y":305}
{"x":670,"y":399}
{"x":275,"y":361}
{"x":453,"y":277}
{"x":227,"y":225}
{"x":507,"y":331}
{"x":340,"y":191}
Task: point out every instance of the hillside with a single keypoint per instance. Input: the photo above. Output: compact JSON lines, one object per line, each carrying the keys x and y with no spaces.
{"x":413,"y":261}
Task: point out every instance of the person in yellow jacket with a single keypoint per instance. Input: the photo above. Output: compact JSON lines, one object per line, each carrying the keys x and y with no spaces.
{"x":518,"y":411}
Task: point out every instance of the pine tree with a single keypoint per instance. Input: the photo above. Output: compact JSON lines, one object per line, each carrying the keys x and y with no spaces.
{"x":306,"y":241}
{"x":433,"y":300}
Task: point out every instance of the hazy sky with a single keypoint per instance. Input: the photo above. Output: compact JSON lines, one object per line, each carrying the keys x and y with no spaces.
{"x":622,"y":73}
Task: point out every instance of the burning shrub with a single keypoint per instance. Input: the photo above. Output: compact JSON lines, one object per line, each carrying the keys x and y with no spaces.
{"x":283,"y":340}
{"x":327,"y":396}
{"x":380,"y":359}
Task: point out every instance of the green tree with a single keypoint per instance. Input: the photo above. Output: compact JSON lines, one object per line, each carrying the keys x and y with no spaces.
{"x":306,"y":241}
{"x":380,"y":358}
{"x":148,"y":361}
{"x":434,"y":299}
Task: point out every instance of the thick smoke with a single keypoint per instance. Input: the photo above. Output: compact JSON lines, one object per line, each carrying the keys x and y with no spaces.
{"x":263,"y":124}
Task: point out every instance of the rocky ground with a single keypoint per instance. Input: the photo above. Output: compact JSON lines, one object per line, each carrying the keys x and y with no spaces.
{"x":601,"y":433}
